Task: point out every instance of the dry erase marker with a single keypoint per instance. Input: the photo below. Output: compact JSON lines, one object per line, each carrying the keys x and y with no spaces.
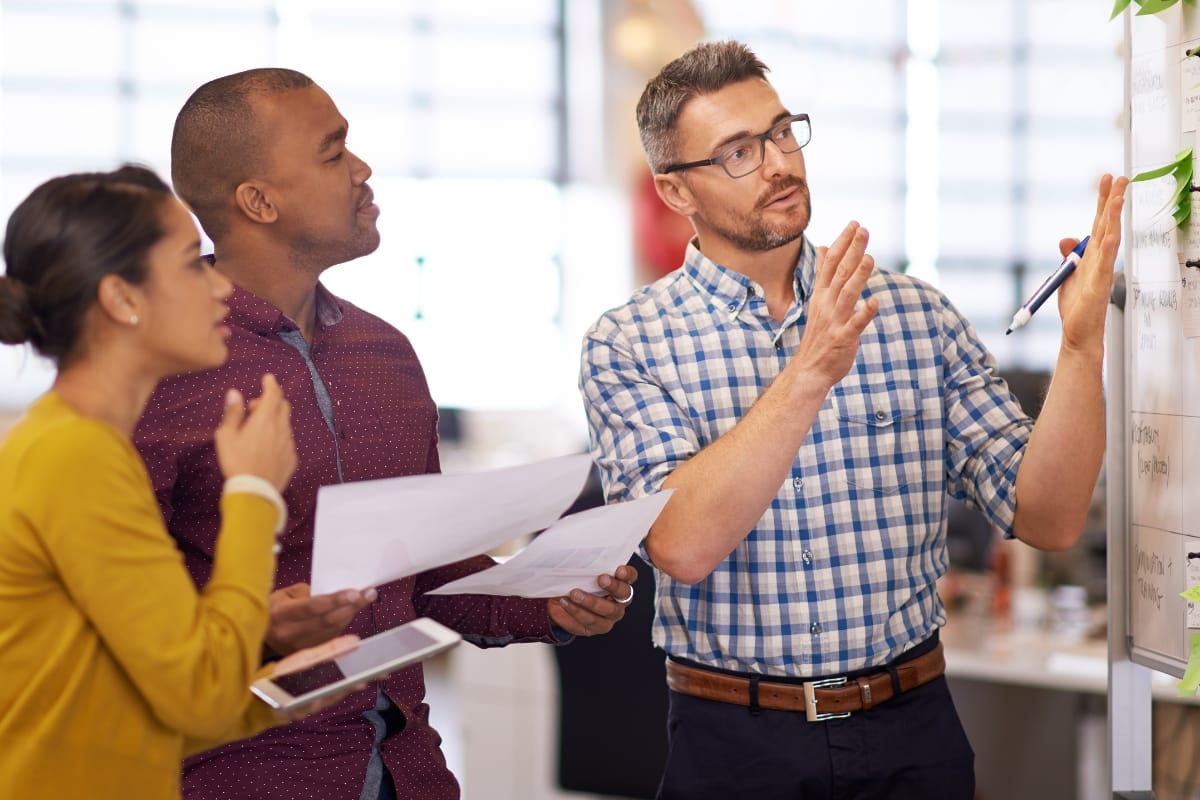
{"x":1025,"y":312}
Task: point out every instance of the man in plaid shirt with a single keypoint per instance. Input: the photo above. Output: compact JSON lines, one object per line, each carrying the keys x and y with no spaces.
{"x":811,"y":414}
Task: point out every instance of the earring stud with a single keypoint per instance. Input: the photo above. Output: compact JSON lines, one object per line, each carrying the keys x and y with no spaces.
{"x":133,"y":319}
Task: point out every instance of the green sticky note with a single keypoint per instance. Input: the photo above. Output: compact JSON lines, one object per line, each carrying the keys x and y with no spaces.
{"x":1192,"y":594}
{"x":1191,"y":676}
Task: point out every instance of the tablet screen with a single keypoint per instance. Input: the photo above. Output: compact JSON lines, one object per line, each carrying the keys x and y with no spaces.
{"x":372,"y":653}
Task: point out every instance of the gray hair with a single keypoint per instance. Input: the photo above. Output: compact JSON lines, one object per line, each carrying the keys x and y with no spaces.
{"x":706,"y":68}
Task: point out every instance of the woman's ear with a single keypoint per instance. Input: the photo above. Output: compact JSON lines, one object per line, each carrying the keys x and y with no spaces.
{"x":118,"y":300}
{"x":252,"y":200}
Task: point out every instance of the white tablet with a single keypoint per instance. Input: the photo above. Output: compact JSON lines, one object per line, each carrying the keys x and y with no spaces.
{"x":375,"y":656}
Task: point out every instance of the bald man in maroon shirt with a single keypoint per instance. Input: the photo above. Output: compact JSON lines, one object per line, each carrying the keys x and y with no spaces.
{"x":261,"y":158}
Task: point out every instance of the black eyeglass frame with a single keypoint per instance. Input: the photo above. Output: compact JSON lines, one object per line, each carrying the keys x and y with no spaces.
{"x":761,"y":138}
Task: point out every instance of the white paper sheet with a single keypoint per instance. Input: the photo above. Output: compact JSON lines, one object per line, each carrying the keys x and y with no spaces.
{"x":570,"y":553}
{"x":1191,"y":557}
{"x":368,"y":533}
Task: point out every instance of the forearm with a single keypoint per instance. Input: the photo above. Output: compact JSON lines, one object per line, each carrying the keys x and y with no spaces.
{"x":222,"y":649}
{"x":493,"y":621}
{"x":1063,"y":458}
{"x":722,"y":491}
{"x":485,"y":620}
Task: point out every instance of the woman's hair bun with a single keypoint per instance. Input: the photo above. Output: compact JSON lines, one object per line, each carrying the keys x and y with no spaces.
{"x":18,"y":323}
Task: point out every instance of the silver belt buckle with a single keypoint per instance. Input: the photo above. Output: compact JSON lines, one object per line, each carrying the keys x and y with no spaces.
{"x":810,"y":699}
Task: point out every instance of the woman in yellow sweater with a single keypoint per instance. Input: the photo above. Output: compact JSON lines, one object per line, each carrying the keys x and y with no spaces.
{"x":112,"y":666}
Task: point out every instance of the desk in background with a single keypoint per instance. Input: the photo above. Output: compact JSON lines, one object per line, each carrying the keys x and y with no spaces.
{"x":1033,"y":705}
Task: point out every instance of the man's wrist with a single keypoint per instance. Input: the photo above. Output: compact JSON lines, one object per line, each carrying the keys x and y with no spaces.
{"x":561,"y":635}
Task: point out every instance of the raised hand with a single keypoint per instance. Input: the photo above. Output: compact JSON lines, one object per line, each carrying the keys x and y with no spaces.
{"x":837,"y":313}
{"x":259,"y":441}
{"x":1083,"y":297}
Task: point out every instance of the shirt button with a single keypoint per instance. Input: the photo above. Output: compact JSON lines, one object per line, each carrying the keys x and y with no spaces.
{"x":779,"y":345}
{"x":733,"y":306}
{"x":881,"y":415}
{"x":815,"y":629}
{"x":808,"y":556}
{"x":797,"y":483}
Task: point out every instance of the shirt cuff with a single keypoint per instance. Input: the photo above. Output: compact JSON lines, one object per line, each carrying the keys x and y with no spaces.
{"x":261,"y":487}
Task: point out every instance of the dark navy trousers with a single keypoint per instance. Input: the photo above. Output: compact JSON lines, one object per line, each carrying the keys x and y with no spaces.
{"x":912,"y":747}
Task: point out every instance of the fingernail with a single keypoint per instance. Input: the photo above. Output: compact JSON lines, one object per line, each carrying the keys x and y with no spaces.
{"x":577,"y":596}
{"x":604,"y":581}
{"x":370,"y":595}
{"x":562,"y":601}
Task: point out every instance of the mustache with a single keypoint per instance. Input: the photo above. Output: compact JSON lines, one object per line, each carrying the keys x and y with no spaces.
{"x":780,"y":186}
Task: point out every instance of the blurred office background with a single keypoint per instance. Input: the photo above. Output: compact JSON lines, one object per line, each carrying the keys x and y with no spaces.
{"x":967,"y":136}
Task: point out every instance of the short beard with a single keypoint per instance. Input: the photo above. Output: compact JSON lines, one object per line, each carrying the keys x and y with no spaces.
{"x":314,"y":255}
{"x":752,"y":235}
{"x":760,"y":239}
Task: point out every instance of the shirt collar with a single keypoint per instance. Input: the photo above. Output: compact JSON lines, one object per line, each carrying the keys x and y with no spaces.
{"x":251,"y":312}
{"x":732,"y":290}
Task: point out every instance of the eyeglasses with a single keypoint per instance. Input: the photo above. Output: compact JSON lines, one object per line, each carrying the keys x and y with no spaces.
{"x":744,"y":156}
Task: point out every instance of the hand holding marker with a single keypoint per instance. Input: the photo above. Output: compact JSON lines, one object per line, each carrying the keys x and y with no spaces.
{"x":1025,"y":312}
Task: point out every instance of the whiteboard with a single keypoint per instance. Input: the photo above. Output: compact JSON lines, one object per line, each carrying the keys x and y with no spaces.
{"x":1162,"y":346}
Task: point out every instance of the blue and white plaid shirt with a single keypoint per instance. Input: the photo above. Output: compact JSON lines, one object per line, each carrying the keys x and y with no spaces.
{"x":839,"y":573}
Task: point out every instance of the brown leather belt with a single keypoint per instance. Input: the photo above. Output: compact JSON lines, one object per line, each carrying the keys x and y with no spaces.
{"x":819,"y":700}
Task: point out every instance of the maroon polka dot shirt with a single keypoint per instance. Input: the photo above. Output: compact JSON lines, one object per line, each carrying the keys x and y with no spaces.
{"x":384,"y":425}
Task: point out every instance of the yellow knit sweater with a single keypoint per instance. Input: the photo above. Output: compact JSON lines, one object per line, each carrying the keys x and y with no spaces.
{"x":112,"y":666}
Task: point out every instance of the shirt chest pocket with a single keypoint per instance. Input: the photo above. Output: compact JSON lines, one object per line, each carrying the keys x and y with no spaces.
{"x":883,"y":432}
